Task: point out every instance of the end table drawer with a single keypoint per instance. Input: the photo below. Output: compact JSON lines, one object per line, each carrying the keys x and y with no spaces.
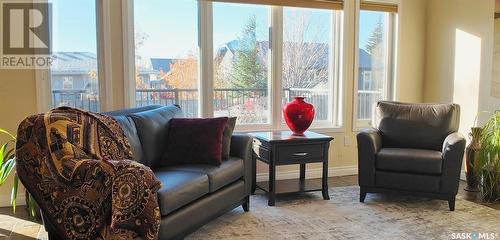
{"x":261,"y":152}
{"x":301,"y":152}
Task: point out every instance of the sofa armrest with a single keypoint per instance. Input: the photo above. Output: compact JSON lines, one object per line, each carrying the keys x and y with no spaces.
{"x":369,"y":144}
{"x":453,"y":153}
{"x":241,"y":147}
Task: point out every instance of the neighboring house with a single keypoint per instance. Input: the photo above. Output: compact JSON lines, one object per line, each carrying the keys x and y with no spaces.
{"x":78,"y":71}
{"x":162,"y":67}
{"x":365,"y":79}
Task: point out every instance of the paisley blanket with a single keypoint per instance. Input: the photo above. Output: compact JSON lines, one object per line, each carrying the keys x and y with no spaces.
{"x":78,"y":167}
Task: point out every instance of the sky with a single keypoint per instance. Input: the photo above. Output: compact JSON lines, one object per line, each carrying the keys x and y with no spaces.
{"x":170,"y":27}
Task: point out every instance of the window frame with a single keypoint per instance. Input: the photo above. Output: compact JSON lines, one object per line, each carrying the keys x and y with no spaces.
{"x":205,"y":68}
{"x":346,"y":56}
{"x":393,"y":34}
{"x":103,"y":51}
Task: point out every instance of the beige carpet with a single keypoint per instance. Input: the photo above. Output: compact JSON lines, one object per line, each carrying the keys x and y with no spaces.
{"x":307,"y":216}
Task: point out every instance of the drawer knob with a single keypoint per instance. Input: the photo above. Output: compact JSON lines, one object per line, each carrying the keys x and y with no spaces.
{"x":300,"y":154}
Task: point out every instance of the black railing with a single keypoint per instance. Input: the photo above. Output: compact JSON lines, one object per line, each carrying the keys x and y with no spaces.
{"x":77,"y":98}
{"x":250,"y":105}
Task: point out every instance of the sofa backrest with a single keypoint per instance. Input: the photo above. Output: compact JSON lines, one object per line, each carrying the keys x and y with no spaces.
{"x":421,"y":126}
{"x":147,"y":129}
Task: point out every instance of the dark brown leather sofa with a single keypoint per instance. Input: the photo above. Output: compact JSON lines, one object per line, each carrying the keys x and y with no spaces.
{"x":415,"y":150}
{"x":191,"y":195}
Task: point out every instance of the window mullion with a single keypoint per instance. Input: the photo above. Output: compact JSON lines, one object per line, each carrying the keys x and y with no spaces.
{"x":275,"y":91}
{"x":128,"y":53}
{"x":338,"y":82}
{"x":104,"y":55}
{"x":393,"y":50}
{"x":205,"y":43}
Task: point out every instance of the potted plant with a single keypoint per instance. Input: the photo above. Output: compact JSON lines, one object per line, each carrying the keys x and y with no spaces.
{"x":7,"y":165}
{"x":488,"y":164}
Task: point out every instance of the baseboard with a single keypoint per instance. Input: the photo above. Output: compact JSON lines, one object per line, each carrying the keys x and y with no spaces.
{"x":20,"y":201}
{"x":311,"y":173}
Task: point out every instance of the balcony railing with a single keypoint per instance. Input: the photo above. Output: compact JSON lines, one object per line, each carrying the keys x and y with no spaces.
{"x":366,"y":102}
{"x":250,"y":105}
{"x":77,"y":98}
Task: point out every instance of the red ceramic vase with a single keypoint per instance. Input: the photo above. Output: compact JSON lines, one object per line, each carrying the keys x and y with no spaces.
{"x":298,"y":115}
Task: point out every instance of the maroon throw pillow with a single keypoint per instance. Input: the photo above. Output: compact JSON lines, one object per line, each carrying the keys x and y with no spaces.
{"x":195,"y":140}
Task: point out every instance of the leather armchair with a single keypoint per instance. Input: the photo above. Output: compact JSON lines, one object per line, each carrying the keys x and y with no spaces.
{"x":415,"y":150}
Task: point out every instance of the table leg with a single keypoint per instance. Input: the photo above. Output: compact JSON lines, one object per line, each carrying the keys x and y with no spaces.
{"x":302,"y":176}
{"x":325,"y":180}
{"x":272,"y":183}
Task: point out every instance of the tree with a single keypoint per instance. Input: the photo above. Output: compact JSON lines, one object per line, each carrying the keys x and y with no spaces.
{"x":377,"y":51}
{"x":139,"y":38}
{"x":305,"y":51}
{"x":247,"y":69}
{"x":376,"y":38}
{"x":183,"y":74}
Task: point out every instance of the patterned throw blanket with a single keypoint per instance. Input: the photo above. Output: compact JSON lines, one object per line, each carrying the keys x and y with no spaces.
{"x":75,"y":164}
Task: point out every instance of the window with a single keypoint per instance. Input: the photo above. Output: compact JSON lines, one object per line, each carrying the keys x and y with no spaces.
{"x":166,"y":54}
{"x":307,"y":58}
{"x":375,"y":61}
{"x":241,"y":84}
{"x":172,"y":38}
{"x":74,"y":74}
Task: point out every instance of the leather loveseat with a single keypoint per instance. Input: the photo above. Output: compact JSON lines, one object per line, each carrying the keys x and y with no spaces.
{"x":191,"y":195}
{"x":415,"y":150}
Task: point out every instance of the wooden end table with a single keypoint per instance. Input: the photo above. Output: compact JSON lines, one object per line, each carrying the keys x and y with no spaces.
{"x":284,"y":148}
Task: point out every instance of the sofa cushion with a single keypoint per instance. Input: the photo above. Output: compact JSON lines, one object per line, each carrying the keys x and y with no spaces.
{"x":194,"y":140}
{"x":229,"y":171}
{"x":128,"y":126}
{"x":409,"y":160}
{"x":179,"y":188}
{"x":226,"y":138}
{"x":152,"y":128}
{"x":130,"y":132}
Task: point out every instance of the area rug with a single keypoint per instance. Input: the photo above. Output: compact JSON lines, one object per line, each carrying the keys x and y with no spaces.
{"x":308,"y":216}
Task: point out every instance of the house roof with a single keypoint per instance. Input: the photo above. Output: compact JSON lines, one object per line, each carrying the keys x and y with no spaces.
{"x":162,"y":64}
{"x":81,"y":63}
{"x":365,"y":60}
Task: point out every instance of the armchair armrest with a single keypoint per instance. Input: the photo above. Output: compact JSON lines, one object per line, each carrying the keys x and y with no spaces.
{"x":369,"y":143}
{"x":241,"y":147}
{"x":453,"y":153}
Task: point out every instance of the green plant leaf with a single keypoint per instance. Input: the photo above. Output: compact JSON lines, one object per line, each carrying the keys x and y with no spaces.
{"x":32,"y":206}
{"x":2,"y":153}
{"x":6,"y":169}
{"x":10,"y":154}
{"x":488,"y":165}
{"x":13,"y":195}
{"x":8,"y":133}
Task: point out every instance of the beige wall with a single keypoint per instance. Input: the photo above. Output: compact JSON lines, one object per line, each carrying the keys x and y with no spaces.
{"x":459,"y":56}
{"x":17,"y":100}
{"x":18,"y":92}
{"x":409,"y":87}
